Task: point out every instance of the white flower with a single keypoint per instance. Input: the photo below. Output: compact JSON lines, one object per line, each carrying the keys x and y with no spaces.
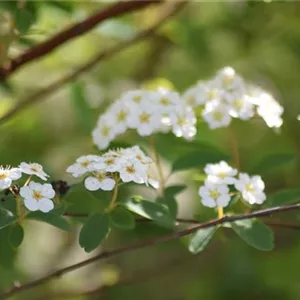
{"x":120,"y":112}
{"x":227,"y":79}
{"x":269,"y":109}
{"x":251,"y":188}
{"x":135,"y":172}
{"x":104,"y":132}
{"x":135,"y":153}
{"x":214,"y":194}
{"x":220,"y":173}
{"x":136,"y":97}
{"x":183,"y":121}
{"x":166,"y":100}
{"x":33,"y":169}
{"x":108,"y":163}
{"x":99,"y":181}
{"x":38,"y":196}
{"x":240,"y":105}
{"x":216,"y":114}
{"x":7,"y":176}
{"x":83,"y":165}
{"x":145,"y":120}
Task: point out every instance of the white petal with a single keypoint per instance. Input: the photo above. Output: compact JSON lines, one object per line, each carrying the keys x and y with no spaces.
{"x":31,"y":204}
{"x":5,"y":183}
{"x":92,"y":184}
{"x":209,"y":202}
{"x":107,"y":184}
{"x":223,"y":200}
{"x":45,"y":205}
{"x":48,"y":191}
{"x":15,"y":173}
{"x":25,"y":192}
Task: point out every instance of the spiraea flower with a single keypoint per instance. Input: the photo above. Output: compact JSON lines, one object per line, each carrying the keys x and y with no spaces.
{"x":127,"y":165}
{"x":213,"y":195}
{"x":38,"y":196}
{"x":251,"y":188}
{"x":33,"y":169}
{"x":220,"y":173}
{"x":8,"y":175}
{"x":83,"y":165}
{"x":220,"y":176}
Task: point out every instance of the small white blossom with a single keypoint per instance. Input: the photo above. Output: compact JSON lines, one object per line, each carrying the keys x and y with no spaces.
{"x":83,"y":165}
{"x":166,"y":101}
{"x":33,"y":169}
{"x":183,"y":121}
{"x":216,"y":115}
{"x":220,"y":173}
{"x":99,"y":181}
{"x":228,"y":80}
{"x":240,"y":105}
{"x":145,"y":120}
{"x":120,"y":113}
{"x":251,"y":188}
{"x":214,"y":195}
{"x":104,"y":132}
{"x":8,"y":175}
{"x":135,"y":172}
{"x":38,"y":196}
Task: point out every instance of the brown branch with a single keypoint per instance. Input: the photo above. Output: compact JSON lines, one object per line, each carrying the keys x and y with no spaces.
{"x":147,"y":243}
{"x":40,"y":95}
{"x":72,"y":32}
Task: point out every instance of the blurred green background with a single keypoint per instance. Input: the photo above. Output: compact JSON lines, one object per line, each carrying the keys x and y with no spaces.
{"x":261,"y":40}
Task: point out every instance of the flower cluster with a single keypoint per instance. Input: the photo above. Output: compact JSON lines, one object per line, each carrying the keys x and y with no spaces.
{"x":216,"y":192}
{"x":105,"y":171}
{"x":147,"y":112}
{"x":228,"y":96}
{"x":36,"y":196}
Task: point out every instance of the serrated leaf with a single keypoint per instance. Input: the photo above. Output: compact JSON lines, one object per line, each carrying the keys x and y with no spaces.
{"x":81,"y":106}
{"x":273,"y":161}
{"x":201,"y":238}
{"x":283,"y":197}
{"x":52,"y":219}
{"x":16,"y":235}
{"x":121,"y":218}
{"x":198,"y":159}
{"x":6,"y":218}
{"x":150,"y":210}
{"x":94,"y":231}
{"x":255,"y":234}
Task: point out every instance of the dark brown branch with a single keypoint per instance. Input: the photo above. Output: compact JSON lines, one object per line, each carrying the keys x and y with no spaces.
{"x":146,"y":243}
{"x":72,"y":32}
{"x":41,"y":95}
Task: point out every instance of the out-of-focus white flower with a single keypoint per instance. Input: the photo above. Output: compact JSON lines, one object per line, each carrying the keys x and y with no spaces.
{"x":136,"y":97}
{"x":8,"y":175}
{"x":214,"y":194}
{"x":100,"y":180}
{"x":216,"y":115}
{"x":269,"y":110}
{"x":33,"y":169}
{"x":251,"y":188}
{"x":108,"y":163}
{"x":220,"y":173}
{"x":240,"y":105}
{"x":120,"y":112}
{"x":145,"y":120}
{"x":83,"y":165}
{"x":227,"y":79}
{"x":166,"y":101}
{"x":38,"y":196}
{"x":183,"y":122}
{"x":104,"y":132}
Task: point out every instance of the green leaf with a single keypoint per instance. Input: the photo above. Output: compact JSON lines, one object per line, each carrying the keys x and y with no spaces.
{"x":283,"y":197}
{"x":81,"y":106}
{"x":94,"y":231}
{"x":201,"y":238}
{"x":198,"y":159}
{"x":121,"y":218}
{"x":6,"y":218}
{"x":254,"y":233}
{"x":24,"y":19}
{"x":7,"y":252}
{"x":174,"y":190}
{"x":150,"y":210}
{"x":16,"y":235}
{"x":274,"y":161}
{"x":51,"y":218}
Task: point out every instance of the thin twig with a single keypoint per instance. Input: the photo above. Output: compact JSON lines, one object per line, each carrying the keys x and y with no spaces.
{"x":147,"y":243}
{"x":171,"y":9}
{"x":72,"y":32}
